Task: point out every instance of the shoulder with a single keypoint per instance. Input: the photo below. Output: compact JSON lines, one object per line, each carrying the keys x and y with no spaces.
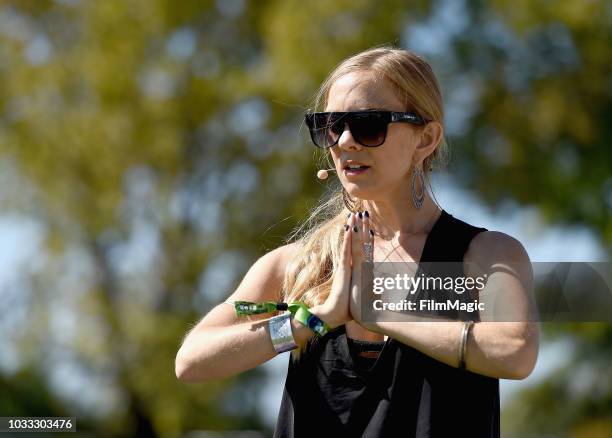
{"x":262,"y":282}
{"x":269,"y":270}
{"x":282,"y":254}
{"x":495,"y":246}
{"x":277,"y":259}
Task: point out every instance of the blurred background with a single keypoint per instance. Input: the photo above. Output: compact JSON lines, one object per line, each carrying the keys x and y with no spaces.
{"x":151,"y":151}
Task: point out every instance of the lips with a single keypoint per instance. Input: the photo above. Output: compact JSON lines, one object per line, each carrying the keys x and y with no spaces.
{"x":354,"y":165}
{"x":358,"y":171}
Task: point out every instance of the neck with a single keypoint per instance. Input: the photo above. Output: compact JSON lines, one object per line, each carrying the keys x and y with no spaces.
{"x":392,"y":220}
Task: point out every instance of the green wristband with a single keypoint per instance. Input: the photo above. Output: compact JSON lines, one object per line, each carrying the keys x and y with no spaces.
{"x":248,"y":308}
{"x":302,"y":314}
{"x":299,"y":310}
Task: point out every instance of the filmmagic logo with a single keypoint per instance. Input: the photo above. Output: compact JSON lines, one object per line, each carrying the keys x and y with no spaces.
{"x":429,"y":306}
{"x":411,"y":284}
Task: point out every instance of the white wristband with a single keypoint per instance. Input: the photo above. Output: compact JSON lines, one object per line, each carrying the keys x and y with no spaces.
{"x":281,"y":333}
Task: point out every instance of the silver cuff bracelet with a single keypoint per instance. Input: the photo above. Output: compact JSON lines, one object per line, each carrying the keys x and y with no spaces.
{"x":281,"y":333}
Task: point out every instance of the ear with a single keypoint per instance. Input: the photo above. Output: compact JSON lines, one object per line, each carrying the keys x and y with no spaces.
{"x":429,"y":138}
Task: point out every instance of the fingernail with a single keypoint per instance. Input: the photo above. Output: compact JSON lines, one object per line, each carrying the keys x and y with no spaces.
{"x":346,"y":227}
{"x":371,"y":233}
{"x":355,"y":229}
{"x":349,"y":215}
{"x":360,"y":215}
{"x":367,"y":214}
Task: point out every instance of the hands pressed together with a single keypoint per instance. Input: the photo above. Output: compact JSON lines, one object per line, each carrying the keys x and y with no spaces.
{"x":343,"y":302}
{"x":495,"y":349}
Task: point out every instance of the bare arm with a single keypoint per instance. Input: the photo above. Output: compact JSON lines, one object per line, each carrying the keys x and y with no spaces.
{"x":504,"y":350}
{"x":221,"y":345}
{"x":218,"y":352}
{"x":497,"y":349}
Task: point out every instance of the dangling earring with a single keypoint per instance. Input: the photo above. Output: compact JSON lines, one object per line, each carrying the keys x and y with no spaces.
{"x":348,"y":201}
{"x":417,"y":199}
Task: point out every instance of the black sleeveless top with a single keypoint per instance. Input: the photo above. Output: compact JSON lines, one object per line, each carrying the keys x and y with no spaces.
{"x":402,"y":392}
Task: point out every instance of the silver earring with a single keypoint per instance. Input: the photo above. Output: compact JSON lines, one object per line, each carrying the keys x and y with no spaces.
{"x":417,"y":199}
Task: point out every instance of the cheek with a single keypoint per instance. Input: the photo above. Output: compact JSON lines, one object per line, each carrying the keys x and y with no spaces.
{"x":402,"y":143}
{"x":392,"y":171}
{"x":395,"y":162}
{"x":334,"y":156}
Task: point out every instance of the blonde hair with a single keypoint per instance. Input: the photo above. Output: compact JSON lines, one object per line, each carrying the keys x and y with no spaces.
{"x":309,"y":275}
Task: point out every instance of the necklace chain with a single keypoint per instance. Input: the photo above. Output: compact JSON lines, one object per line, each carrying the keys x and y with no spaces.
{"x":394,"y":247}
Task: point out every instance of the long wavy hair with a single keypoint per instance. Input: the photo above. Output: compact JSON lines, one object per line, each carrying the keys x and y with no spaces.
{"x":308,"y":276}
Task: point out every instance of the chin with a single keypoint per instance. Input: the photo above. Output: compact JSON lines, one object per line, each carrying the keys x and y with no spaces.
{"x":364,"y":193}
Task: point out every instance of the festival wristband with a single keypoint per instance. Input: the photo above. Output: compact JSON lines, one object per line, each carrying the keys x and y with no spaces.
{"x":298,"y":309}
{"x":281,"y":333}
{"x":248,"y":308}
{"x":310,"y":320}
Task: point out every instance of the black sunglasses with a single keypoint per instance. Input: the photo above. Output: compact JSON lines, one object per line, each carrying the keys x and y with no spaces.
{"x":368,"y":128}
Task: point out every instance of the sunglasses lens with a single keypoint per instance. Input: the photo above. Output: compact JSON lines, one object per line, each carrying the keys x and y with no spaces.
{"x":368,"y":129}
{"x":325,"y":129}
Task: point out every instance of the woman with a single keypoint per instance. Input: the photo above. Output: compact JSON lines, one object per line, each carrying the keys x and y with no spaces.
{"x":382,"y":127}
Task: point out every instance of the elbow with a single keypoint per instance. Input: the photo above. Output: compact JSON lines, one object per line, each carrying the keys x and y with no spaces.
{"x":196,"y":362}
{"x":520,"y":369}
{"x":184,"y":370}
{"x":521,"y":359}
{"x":181,"y":369}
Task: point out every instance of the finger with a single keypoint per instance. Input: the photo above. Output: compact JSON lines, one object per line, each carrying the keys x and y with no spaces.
{"x":360,"y":224}
{"x":345,"y":255}
{"x":368,"y":237}
{"x":356,"y":244}
{"x":368,"y":231}
{"x":365,"y":236}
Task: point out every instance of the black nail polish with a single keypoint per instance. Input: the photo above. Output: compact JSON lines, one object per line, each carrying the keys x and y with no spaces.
{"x":349,"y":215}
{"x":371,"y":233}
{"x":346,"y":227}
{"x":360,"y":215}
{"x":367,"y":214}
{"x":355,"y":229}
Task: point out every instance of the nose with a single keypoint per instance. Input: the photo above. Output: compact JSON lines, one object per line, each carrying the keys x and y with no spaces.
{"x":346,"y":140}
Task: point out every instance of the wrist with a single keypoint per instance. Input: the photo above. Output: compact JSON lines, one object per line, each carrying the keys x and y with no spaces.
{"x":281,"y":333}
{"x":324,"y":314}
{"x":370,"y":326}
{"x":301,"y":333}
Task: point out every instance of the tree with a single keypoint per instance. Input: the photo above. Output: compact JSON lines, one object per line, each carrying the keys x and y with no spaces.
{"x":158,"y":144}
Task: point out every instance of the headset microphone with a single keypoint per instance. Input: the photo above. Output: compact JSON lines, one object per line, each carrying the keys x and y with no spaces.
{"x":324,"y":173}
